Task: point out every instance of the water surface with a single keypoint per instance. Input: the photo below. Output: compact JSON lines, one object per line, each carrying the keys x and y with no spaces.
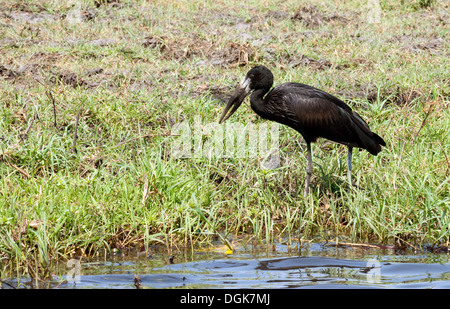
{"x":317,"y":266}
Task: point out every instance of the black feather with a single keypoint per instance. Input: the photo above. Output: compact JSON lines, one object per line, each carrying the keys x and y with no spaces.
{"x":314,"y":113}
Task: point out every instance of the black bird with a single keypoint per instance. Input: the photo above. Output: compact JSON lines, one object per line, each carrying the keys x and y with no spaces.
{"x":311,"y":111}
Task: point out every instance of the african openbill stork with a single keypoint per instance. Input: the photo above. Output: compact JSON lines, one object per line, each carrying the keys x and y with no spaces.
{"x":311,"y":111}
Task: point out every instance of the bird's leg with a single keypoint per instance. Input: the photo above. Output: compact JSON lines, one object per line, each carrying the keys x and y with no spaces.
{"x":308,"y":168}
{"x":349,"y":163}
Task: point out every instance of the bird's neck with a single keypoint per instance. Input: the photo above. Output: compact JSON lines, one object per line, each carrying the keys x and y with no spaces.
{"x":257,"y":102}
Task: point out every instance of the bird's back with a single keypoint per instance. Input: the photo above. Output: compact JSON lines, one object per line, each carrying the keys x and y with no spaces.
{"x":315,"y":113}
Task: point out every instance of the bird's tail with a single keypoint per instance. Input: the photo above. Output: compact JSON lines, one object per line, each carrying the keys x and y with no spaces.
{"x":378,"y":139}
{"x":371,"y":141}
{"x":373,"y":144}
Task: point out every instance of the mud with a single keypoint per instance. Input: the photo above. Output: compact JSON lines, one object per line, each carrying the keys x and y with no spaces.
{"x":371,"y":93}
{"x":232,"y":54}
{"x":312,"y":17}
{"x":68,"y":78}
{"x":154,"y":42}
{"x":43,"y":73}
{"x":31,"y":18}
{"x":7,"y":73}
{"x":419,"y":44}
{"x":303,"y":60}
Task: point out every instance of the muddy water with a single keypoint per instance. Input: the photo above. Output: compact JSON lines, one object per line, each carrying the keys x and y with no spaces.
{"x":317,"y":266}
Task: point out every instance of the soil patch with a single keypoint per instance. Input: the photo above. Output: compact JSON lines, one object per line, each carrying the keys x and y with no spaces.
{"x":27,"y":13}
{"x":417,"y":44}
{"x":371,"y":93}
{"x":27,"y":17}
{"x":311,"y":17}
{"x":43,"y":73}
{"x":68,"y":78}
{"x":303,"y":60}
{"x":232,"y":54}
{"x":7,"y":73}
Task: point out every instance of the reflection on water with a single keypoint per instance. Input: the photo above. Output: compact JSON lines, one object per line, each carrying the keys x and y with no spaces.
{"x":318,"y":266}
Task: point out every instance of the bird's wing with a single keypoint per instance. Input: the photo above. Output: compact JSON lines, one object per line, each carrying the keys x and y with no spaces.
{"x":314,"y":107}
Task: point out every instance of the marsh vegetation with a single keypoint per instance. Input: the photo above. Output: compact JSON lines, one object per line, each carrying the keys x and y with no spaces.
{"x":90,"y":92}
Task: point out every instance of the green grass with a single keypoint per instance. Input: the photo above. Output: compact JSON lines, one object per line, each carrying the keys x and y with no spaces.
{"x":119,"y":187}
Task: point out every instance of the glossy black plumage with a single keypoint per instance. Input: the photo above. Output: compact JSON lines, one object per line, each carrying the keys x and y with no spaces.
{"x":314,"y":113}
{"x":311,"y":111}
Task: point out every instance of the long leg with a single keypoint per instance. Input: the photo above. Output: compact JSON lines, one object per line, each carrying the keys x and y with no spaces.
{"x":349,"y":163}
{"x":308,"y":168}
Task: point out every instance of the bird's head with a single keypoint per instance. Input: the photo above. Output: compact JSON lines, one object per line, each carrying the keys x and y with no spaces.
{"x":258,"y":78}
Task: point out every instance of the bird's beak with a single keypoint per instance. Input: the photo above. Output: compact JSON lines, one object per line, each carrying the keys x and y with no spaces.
{"x":241,"y":91}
